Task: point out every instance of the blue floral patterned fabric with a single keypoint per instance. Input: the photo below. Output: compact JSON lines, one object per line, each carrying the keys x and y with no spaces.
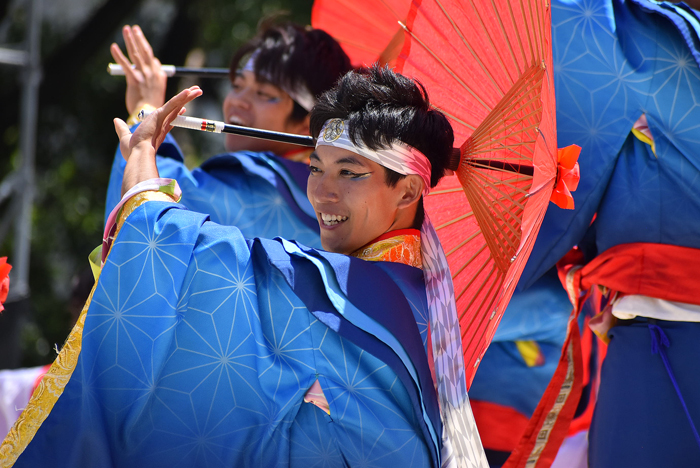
{"x":614,"y":61}
{"x":262,"y":194}
{"x":199,"y":346}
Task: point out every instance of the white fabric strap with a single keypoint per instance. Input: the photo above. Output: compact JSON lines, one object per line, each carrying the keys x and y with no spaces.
{"x":400,"y":157}
{"x":460,"y":439}
{"x":636,"y":305}
{"x":301,"y":95}
{"x":461,"y":444}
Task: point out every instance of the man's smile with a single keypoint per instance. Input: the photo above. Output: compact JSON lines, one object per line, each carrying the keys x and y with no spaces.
{"x":237,"y":120}
{"x":331,"y":219}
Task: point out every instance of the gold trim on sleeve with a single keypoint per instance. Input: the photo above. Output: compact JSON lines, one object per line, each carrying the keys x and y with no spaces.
{"x":138,"y":200}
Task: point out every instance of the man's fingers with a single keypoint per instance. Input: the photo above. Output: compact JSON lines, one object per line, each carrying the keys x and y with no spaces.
{"x":143,"y":45}
{"x":173,"y":108}
{"x":163,"y":117}
{"x":117,"y":53}
{"x":172,"y":116}
{"x":121,"y":128}
{"x":128,"y":40}
{"x":121,"y":59}
{"x":182,"y":98}
{"x":132,"y":48}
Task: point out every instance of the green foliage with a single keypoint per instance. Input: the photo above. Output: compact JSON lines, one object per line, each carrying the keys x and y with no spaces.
{"x":76,"y":141}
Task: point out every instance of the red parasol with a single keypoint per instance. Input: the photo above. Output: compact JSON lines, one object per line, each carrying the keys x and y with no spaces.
{"x":488,"y":67}
{"x":367,"y":31}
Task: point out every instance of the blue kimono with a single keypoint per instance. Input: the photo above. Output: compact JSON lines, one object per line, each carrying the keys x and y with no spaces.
{"x":199,"y":345}
{"x":614,"y":61}
{"x":262,"y":194}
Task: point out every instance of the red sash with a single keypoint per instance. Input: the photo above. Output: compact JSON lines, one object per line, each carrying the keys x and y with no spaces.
{"x":666,"y":272}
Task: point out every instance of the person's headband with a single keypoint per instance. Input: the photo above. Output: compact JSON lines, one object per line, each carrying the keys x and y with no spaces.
{"x":301,"y":95}
{"x":399,"y":157}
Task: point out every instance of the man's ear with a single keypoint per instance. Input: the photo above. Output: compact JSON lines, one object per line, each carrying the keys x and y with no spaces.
{"x":300,"y":127}
{"x":412,"y":189}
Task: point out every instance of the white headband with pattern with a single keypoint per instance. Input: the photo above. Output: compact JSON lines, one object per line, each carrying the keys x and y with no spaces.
{"x":301,"y":95}
{"x":400,"y":157}
{"x":460,"y":438}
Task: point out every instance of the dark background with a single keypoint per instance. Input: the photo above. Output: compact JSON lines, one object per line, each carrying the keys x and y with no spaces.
{"x":76,"y":140}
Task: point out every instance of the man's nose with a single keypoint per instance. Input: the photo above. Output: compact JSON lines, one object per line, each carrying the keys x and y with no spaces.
{"x":323,"y":189}
{"x":240,"y":98}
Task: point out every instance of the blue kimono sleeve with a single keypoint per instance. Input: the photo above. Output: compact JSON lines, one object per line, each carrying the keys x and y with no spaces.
{"x":199,"y":346}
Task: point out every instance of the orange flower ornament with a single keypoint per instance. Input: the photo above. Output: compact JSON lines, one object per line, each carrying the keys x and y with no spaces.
{"x":568,"y":175}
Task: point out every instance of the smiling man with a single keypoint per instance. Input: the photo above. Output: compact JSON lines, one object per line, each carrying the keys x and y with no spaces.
{"x":202,"y":348}
{"x":353,"y":200}
{"x":259,"y":185}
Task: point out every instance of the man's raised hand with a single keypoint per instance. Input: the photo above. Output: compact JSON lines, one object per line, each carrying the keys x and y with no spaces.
{"x":146,"y":81}
{"x":139,"y":149}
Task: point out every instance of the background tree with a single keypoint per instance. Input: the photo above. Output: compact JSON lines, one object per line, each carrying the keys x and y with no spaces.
{"x":76,"y":140}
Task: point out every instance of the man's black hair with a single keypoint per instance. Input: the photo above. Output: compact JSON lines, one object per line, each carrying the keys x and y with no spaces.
{"x":289,"y":56}
{"x":381,"y":107}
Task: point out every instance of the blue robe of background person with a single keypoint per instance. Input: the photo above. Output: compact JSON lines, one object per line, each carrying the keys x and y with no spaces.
{"x":613,"y":62}
{"x":199,"y":345}
{"x":262,"y":194}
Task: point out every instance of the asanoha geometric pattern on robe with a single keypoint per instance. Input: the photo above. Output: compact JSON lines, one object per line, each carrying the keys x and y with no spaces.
{"x":256,"y":192}
{"x":613,"y":62}
{"x":197,"y":353}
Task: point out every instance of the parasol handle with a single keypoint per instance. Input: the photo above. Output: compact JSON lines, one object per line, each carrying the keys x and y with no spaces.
{"x":502,"y":165}
{"x":455,"y":162}
{"x":215,"y":126}
{"x":115,"y":69}
{"x":455,"y":158}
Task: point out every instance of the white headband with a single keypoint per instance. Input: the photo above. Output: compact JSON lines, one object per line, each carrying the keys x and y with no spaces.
{"x":301,"y":96}
{"x":399,"y":157}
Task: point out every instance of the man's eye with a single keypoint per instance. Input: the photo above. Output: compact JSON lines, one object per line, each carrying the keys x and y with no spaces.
{"x":314,"y":169}
{"x":352,"y":175}
{"x":267,"y":97}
